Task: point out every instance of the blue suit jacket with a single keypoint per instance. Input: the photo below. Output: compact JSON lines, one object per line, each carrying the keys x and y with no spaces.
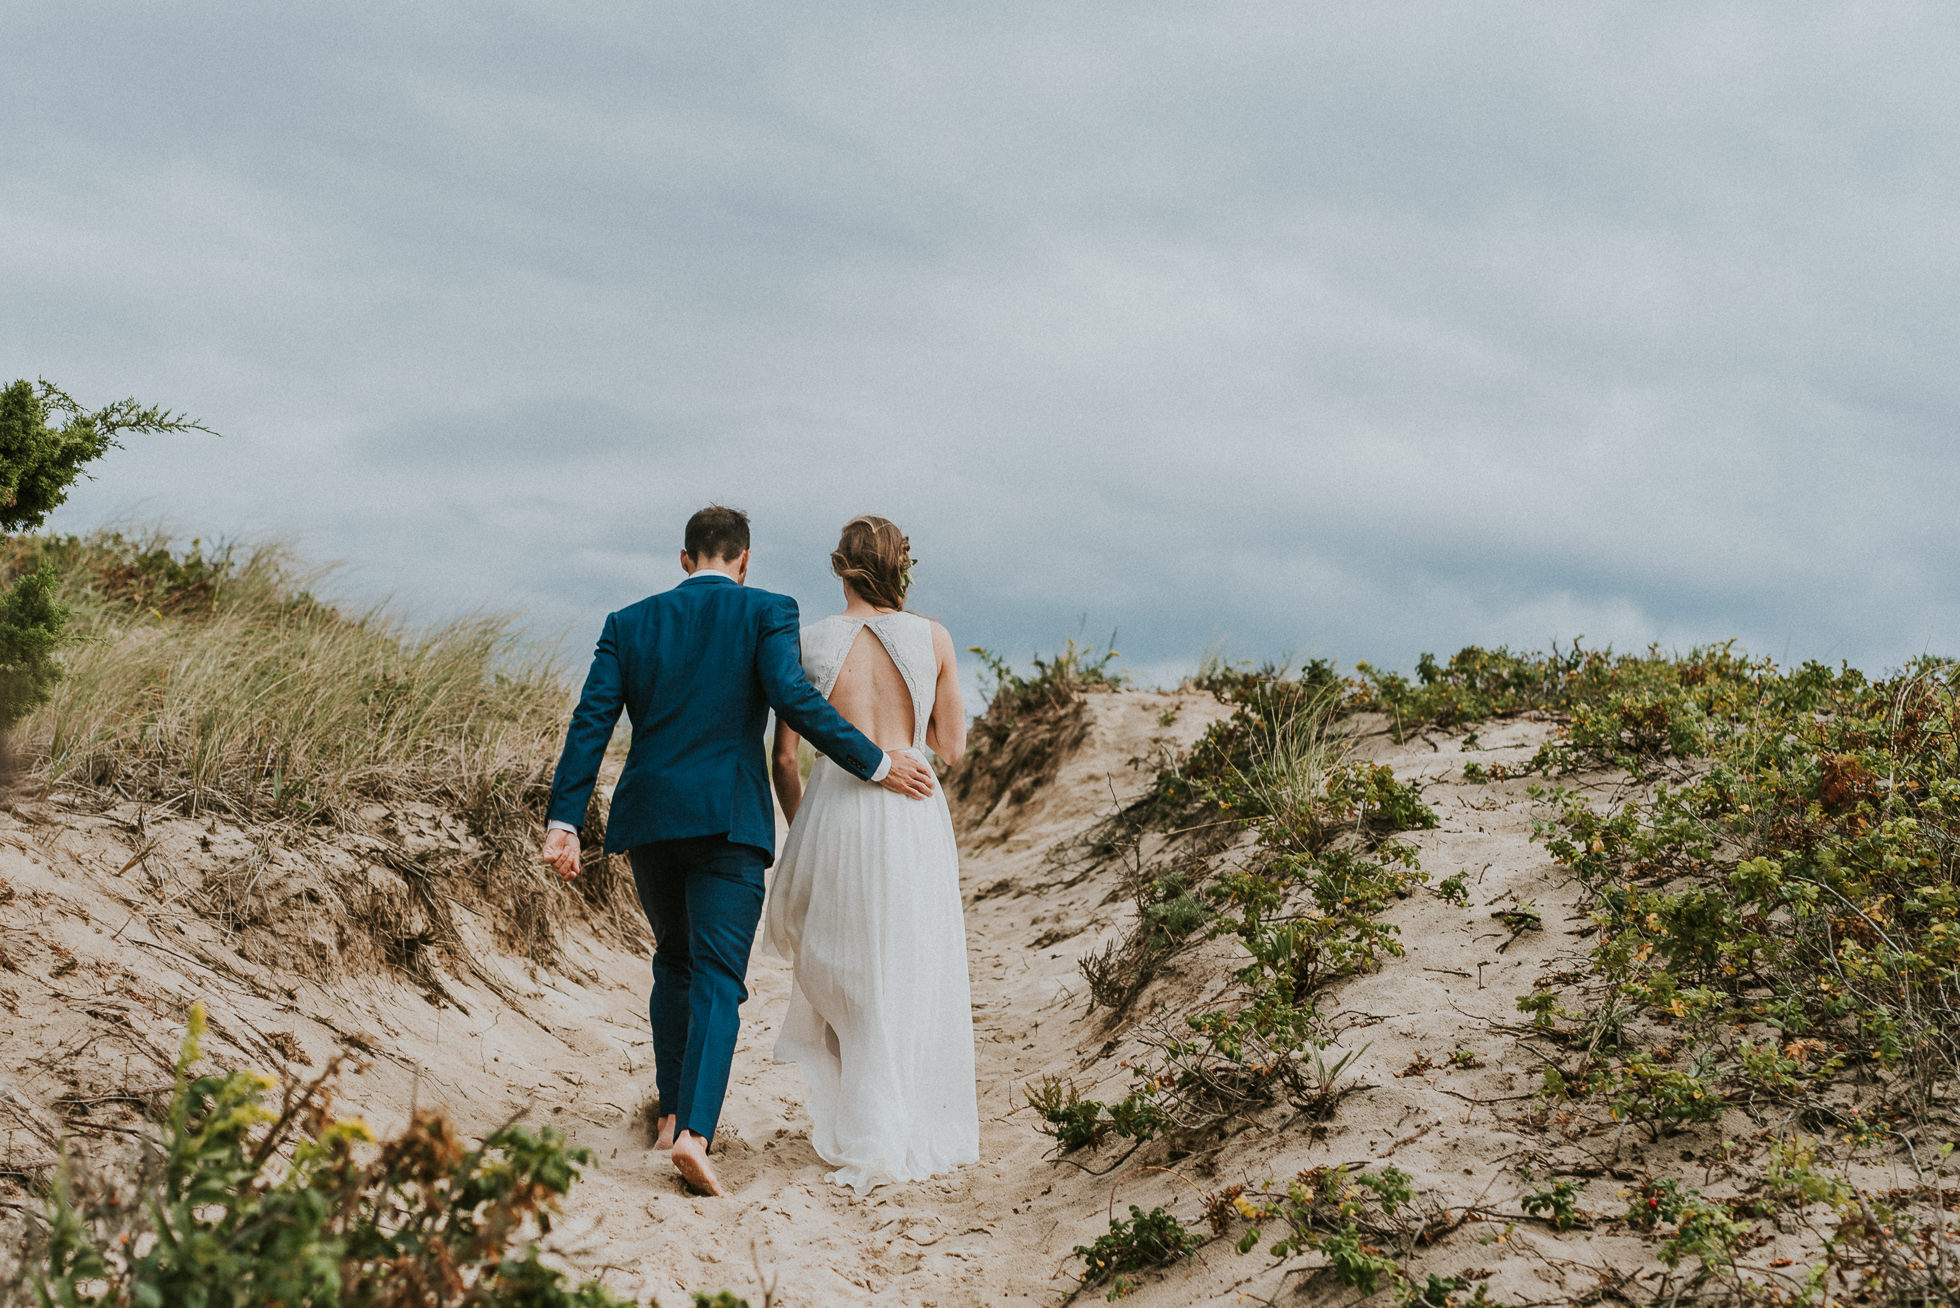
{"x":697,"y":670}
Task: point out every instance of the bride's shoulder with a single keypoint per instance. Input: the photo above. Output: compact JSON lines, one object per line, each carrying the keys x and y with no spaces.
{"x":942,"y":639}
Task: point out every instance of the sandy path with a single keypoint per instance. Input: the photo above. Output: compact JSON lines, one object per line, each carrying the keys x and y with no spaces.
{"x":988,"y":1233}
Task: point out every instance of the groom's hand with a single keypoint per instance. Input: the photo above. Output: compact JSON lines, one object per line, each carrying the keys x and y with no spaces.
{"x":909,"y":776}
{"x":561,"y":853}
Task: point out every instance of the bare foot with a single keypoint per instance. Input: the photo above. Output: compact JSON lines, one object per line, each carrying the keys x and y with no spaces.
{"x":665,"y":1140}
{"x":691,"y":1161}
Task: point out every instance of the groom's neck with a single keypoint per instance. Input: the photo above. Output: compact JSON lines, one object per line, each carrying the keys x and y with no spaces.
{"x":735,"y":569}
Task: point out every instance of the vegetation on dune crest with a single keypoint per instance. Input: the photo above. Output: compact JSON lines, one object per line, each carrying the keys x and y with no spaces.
{"x":1302,"y":909}
{"x":1775,"y":884}
{"x":215,"y":681}
{"x":1052,"y":683}
{"x":1031,"y":722}
{"x":224,"y":679}
{"x":1475,"y":685}
{"x":1778,"y":947}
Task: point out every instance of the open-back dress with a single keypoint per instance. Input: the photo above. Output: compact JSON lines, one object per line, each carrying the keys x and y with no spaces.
{"x":865,"y":903}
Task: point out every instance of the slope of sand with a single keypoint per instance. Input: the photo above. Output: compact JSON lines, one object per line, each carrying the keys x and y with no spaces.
{"x":99,"y":959}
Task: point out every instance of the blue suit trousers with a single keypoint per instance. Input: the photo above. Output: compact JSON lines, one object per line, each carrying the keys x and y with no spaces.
{"x":703,"y":898}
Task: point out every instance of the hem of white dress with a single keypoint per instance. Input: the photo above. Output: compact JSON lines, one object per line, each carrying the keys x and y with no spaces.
{"x":864,"y":1181}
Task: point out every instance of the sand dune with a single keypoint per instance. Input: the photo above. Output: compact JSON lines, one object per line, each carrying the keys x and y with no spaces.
{"x":100,"y":959}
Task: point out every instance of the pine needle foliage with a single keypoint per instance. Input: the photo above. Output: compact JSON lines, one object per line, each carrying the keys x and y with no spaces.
{"x":32,"y":621}
{"x":46,"y":439}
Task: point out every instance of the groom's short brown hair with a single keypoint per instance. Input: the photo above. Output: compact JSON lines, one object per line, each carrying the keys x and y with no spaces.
{"x":717,"y":532}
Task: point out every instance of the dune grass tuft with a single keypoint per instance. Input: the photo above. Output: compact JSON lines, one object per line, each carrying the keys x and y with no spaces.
{"x":216,"y":682}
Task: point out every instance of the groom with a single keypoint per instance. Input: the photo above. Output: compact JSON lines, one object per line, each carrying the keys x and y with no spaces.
{"x":697,"y":669}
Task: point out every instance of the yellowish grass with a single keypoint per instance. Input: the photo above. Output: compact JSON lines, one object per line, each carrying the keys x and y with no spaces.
{"x":219,"y":682}
{"x":1299,"y":751}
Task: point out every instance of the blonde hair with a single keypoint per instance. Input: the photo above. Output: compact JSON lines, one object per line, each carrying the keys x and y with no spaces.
{"x":874,"y":558}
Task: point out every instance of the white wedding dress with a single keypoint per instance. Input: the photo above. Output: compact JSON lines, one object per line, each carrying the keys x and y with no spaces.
{"x":866,"y":904}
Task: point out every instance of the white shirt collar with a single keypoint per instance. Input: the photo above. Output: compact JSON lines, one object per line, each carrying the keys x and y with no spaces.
{"x":704,"y":570}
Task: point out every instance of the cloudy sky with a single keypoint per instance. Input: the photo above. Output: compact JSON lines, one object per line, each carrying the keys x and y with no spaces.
{"x":1339,"y":329}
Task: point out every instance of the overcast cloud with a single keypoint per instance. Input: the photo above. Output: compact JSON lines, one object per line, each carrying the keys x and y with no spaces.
{"x":1352,"y":330}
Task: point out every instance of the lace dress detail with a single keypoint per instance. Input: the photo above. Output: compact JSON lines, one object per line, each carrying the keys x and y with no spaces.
{"x":907,"y":637}
{"x":865,"y":902}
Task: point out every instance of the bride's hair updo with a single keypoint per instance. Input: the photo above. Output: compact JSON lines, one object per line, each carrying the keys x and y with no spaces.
{"x":873,"y":557}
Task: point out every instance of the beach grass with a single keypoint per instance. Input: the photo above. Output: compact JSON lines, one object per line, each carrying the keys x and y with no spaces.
{"x":217,"y":682}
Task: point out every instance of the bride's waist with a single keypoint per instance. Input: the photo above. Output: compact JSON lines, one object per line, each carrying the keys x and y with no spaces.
{"x":825,"y":761}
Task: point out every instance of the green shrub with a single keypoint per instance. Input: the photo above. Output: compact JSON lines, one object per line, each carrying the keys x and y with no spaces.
{"x":1440,"y":1292}
{"x":1136,"y":1243}
{"x":1372,"y":798}
{"x":1303,"y":911}
{"x":1170,"y":913}
{"x":32,"y":625}
{"x":1558,"y":1205}
{"x":1031,"y":722}
{"x":39,"y":461}
{"x":1054,"y":683}
{"x":1272,"y":757}
{"x":1362,"y":1222}
{"x":1793,"y":908}
{"x":1702,"y":1228}
{"x":1475,"y":685}
{"x":238,"y":1204}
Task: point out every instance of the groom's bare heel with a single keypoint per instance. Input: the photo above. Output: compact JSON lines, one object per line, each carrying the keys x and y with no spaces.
{"x":664,"y":1140}
{"x":691,"y":1161}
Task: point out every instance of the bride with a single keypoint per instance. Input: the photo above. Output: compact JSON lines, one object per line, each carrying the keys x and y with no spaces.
{"x":866,"y":897}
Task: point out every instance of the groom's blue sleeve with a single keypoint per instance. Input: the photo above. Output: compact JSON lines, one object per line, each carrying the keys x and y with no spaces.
{"x":591,"y":730}
{"x":779,"y":658}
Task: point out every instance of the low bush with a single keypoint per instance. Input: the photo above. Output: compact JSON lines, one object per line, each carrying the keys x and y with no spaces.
{"x":241,"y":1201}
{"x":1789,"y":911}
{"x":1631,"y":711}
{"x":1053,"y":683}
{"x":1274,"y":753}
{"x":1303,"y":909}
{"x":1135,"y":1243}
{"x":1031,"y":723}
{"x":1694,"y":1226}
{"x":1170,"y":913}
{"x":46,"y":439}
{"x":1558,"y":1205}
{"x":1476,"y":685}
{"x":1280,"y":764}
{"x":1365,"y":1223}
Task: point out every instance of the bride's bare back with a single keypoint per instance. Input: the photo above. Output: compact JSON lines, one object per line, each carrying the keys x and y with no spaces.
{"x":872,"y":694}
